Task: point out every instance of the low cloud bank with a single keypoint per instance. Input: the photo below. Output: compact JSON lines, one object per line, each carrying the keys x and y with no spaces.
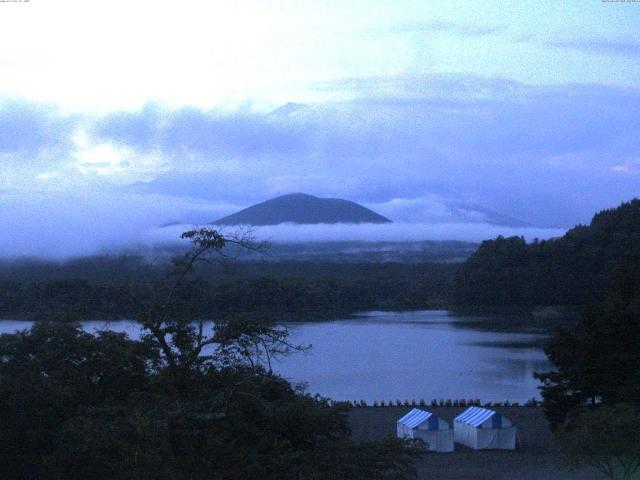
{"x":391,"y":232}
{"x":69,"y":225}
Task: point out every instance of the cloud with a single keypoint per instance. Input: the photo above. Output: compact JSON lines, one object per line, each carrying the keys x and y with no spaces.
{"x":116,"y":161}
{"x":498,"y":145}
{"x":61,"y":225}
{"x":436,"y":209}
{"x":27,"y":129}
{"x":601,"y":46}
{"x":35,"y":143}
{"x":432,"y":149}
{"x":393,"y":232}
{"x":434,"y":26}
{"x":500,"y":118}
{"x":631,"y":167}
{"x":190,"y":130}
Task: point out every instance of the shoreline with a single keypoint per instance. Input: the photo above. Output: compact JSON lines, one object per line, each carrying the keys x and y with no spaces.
{"x":523,"y":319}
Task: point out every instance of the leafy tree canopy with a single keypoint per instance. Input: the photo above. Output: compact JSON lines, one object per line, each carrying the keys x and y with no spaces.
{"x":580,"y":268}
{"x":607,"y":439}
{"x":182,"y":403}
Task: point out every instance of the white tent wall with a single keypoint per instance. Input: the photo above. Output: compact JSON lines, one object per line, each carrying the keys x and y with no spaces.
{"x":403,"y":431}
{"x":465,"y":434}
{"x":496,"y":438}
{"x":485,"y":434}
{"x":435,"y":432}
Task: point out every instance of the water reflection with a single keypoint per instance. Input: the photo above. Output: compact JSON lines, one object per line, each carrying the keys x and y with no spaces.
{"x":415,"y":355}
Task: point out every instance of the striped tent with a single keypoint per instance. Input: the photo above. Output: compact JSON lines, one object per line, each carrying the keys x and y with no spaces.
{"x":428,"y":427}
{"x":481,"y":428}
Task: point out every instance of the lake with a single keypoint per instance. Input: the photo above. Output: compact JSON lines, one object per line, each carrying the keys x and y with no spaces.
{"x":400,"y":356}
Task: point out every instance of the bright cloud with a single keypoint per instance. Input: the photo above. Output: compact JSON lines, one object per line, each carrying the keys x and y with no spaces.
{"x":109,"y":56}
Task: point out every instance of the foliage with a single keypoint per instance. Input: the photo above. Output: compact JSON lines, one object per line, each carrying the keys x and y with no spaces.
{"x":579,"y":268}
{"x":388,"y":459}
{"x":251,"y":341}
{"x":595,"y":362}
{"x":182,"y":403}
{"x":50,"y":372}
{"x":289,"y":291}
{"x":607,"y":439}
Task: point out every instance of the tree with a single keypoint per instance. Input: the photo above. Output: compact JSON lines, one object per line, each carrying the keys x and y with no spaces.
{"x":167,"y":315}
{"x":607,"y":439}
{"x":48,"y":374}
{"x":256,"y":342}
{"x":185,"y":402}
{"x":595,"y":362}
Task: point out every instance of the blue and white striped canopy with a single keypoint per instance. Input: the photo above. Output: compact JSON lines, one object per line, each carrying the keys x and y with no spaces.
{"x":476,"y":416}
{"x":416,"y":417}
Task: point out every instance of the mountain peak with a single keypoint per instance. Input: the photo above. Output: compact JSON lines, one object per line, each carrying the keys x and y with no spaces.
{"x":302,"y":208}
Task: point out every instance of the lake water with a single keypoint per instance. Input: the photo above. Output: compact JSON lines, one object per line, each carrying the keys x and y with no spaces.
{"x":400,"y":355}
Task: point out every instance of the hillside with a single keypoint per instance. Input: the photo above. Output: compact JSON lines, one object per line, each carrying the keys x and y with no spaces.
{"x":303,"y":209}
{"x":579,"y":268}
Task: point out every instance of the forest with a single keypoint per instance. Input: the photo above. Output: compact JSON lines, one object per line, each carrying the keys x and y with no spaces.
{"x":580,"y":268}
{"x":115,"y":288}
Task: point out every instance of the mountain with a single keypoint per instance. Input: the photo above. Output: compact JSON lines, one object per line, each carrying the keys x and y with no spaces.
{"x":304,"y":209}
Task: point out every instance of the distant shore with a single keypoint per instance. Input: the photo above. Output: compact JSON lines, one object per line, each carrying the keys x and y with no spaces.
{"x":522,"y":319}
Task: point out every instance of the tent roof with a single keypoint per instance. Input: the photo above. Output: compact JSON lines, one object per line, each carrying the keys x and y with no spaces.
{"x":415,"y":417}
{"x":475,"y":416}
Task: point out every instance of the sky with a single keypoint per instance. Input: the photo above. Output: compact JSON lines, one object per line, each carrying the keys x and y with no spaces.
{"x":118,"y":117}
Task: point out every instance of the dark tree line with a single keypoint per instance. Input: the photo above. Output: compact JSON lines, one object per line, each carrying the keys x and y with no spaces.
{"x":597,"y":359}
{"x":579,"y":268}
{"x":592,"y":396}
{"x":290,"y":292}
